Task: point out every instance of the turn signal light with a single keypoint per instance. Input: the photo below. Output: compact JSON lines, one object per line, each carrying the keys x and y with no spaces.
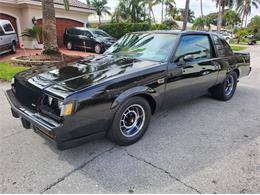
{"x":67,"y":109}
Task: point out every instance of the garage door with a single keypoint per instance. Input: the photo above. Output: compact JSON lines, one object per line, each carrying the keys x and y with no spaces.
{"x":11,"y":19}
{"x":62,"y":24}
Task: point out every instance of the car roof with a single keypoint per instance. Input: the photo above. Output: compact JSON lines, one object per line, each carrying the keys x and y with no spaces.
{"x":84,"y":28}
{"x":176,"y":32}
{"x":4,"y":22}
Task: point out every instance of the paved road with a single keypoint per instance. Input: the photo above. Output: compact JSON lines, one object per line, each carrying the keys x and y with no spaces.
{"x":203,"y":146}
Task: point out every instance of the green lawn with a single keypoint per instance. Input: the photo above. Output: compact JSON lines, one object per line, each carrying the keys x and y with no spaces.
{"x":7,"y":71}
{"x":236,"y":47}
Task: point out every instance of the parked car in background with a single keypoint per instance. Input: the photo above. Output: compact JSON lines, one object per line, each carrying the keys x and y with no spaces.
{"x":227,"y":36}
{"x":251,"y":39}
{"x":8,"y":37}
{"x":87,"y":38}
{"x":115,"y":94}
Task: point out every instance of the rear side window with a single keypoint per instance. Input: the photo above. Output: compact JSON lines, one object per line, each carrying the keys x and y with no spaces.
{"x":197,"y":45}
{"x":8,"y":28}
{"x":223,"y":48}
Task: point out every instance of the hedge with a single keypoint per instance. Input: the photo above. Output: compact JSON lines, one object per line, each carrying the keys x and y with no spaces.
{"x":117,"y":30}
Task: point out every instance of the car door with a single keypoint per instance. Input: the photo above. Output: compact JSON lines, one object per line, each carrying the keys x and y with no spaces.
{"x":86,"y":39}
{"x":193,"y":70}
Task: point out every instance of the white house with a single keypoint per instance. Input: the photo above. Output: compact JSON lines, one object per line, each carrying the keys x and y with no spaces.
{"x":21,"y":13}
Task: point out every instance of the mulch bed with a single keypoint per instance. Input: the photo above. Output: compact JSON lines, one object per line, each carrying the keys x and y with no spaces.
{"x":38,"y":60}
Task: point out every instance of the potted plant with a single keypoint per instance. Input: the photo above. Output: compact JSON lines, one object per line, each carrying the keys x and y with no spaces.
{"x":35,"y":33}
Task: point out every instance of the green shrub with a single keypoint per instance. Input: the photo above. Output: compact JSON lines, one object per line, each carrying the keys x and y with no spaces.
{"x":118,"y":30}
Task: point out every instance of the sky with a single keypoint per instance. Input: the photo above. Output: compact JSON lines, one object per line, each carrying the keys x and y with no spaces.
{"x":208,"y":7}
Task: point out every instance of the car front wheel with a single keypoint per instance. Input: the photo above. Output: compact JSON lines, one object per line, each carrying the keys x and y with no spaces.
{"x":97,"y":48}
{"x":226,"y":90}
{"x":69,"y":46}
{"x":130,"y":122}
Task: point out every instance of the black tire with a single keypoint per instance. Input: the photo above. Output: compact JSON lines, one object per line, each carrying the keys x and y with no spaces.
{"x":98,"y":48}
{"x":226,"y":90}
{"x":13,"y":48}
{"x":69,"y":46}
{"x":118,"y":134}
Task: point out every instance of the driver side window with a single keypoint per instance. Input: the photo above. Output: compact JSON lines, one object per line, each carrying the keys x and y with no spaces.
{"x":197,"y":47}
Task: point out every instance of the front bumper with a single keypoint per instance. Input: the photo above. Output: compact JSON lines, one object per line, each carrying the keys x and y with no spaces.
{"x":47,"y":127}
{"x":32,"y":119}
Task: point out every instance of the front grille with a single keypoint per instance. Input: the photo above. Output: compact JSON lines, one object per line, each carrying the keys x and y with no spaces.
{"x":50,"y":107}
{"x":28,"y":96}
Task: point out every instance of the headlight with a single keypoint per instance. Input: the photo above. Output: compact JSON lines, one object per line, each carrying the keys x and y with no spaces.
{"x":57,"y":106}
{"x":66,"y":109}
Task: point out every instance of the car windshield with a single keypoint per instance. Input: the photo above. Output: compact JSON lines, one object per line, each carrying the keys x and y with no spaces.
{"x":100,"y":33}
{"x":156,"y":47}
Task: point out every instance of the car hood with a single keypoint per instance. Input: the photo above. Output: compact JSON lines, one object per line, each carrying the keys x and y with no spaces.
{"x":107,"y":39}
{"x":88,"y":72}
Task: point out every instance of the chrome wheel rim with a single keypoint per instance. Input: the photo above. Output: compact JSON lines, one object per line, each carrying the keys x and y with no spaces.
{"x":97,"y":49}
{"x":69,"y":45}
{"x":229,"y":85}
{"x":132,"y":120}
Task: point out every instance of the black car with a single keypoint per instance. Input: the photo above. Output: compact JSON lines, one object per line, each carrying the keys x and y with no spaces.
{"x":116,"y":93}
{"x":87,"y":38}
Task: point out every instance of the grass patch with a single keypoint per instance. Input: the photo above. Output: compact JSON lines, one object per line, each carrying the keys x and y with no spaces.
{"x":236,"y":47}
{"x":7,"y":71}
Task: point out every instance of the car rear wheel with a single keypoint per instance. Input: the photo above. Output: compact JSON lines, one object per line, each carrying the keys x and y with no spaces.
{"x":69,"y":46}
{"x":226,"y":90}
{"x":130,"y":122}
{"x":13,"y":48}
{"x":97,"y":48}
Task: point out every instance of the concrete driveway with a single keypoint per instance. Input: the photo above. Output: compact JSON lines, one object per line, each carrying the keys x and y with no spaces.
{"x":203,"y":146}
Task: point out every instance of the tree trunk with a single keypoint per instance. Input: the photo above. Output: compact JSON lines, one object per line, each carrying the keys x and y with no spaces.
{"x":99,"y":19}
{"x":201,"y":8}
{"x":246,"y":21}
{"x":49,"y":28}
{"x":220,"y":18}
{"x":153,"y":16}
{"x":186,"y":16}
{"x":162,"y":12}
{"x":242,"y":20}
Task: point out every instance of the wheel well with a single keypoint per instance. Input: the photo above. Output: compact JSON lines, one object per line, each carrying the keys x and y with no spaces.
{"x":150,"y":100}
{"x":237,"y":72}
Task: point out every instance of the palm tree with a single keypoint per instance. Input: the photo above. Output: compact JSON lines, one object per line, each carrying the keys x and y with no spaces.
{"x":244,"y":9}
{"x":201,"y":8}
{"x":150,"y":5}
{"x":170,"y":4}
{"x":232,"y":18}
{"x":186,"y":16}
{"x":49,"y":28}
{"x":100,"y":6}
{"x":129,"y":10}
{"x":201,"y":22}
{"x":221,"y":4}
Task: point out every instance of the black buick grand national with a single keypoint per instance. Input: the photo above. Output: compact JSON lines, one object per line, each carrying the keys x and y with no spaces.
{"x":116,"y":93}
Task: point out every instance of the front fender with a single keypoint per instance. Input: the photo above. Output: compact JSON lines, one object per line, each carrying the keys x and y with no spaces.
{"x":139,"y":90}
